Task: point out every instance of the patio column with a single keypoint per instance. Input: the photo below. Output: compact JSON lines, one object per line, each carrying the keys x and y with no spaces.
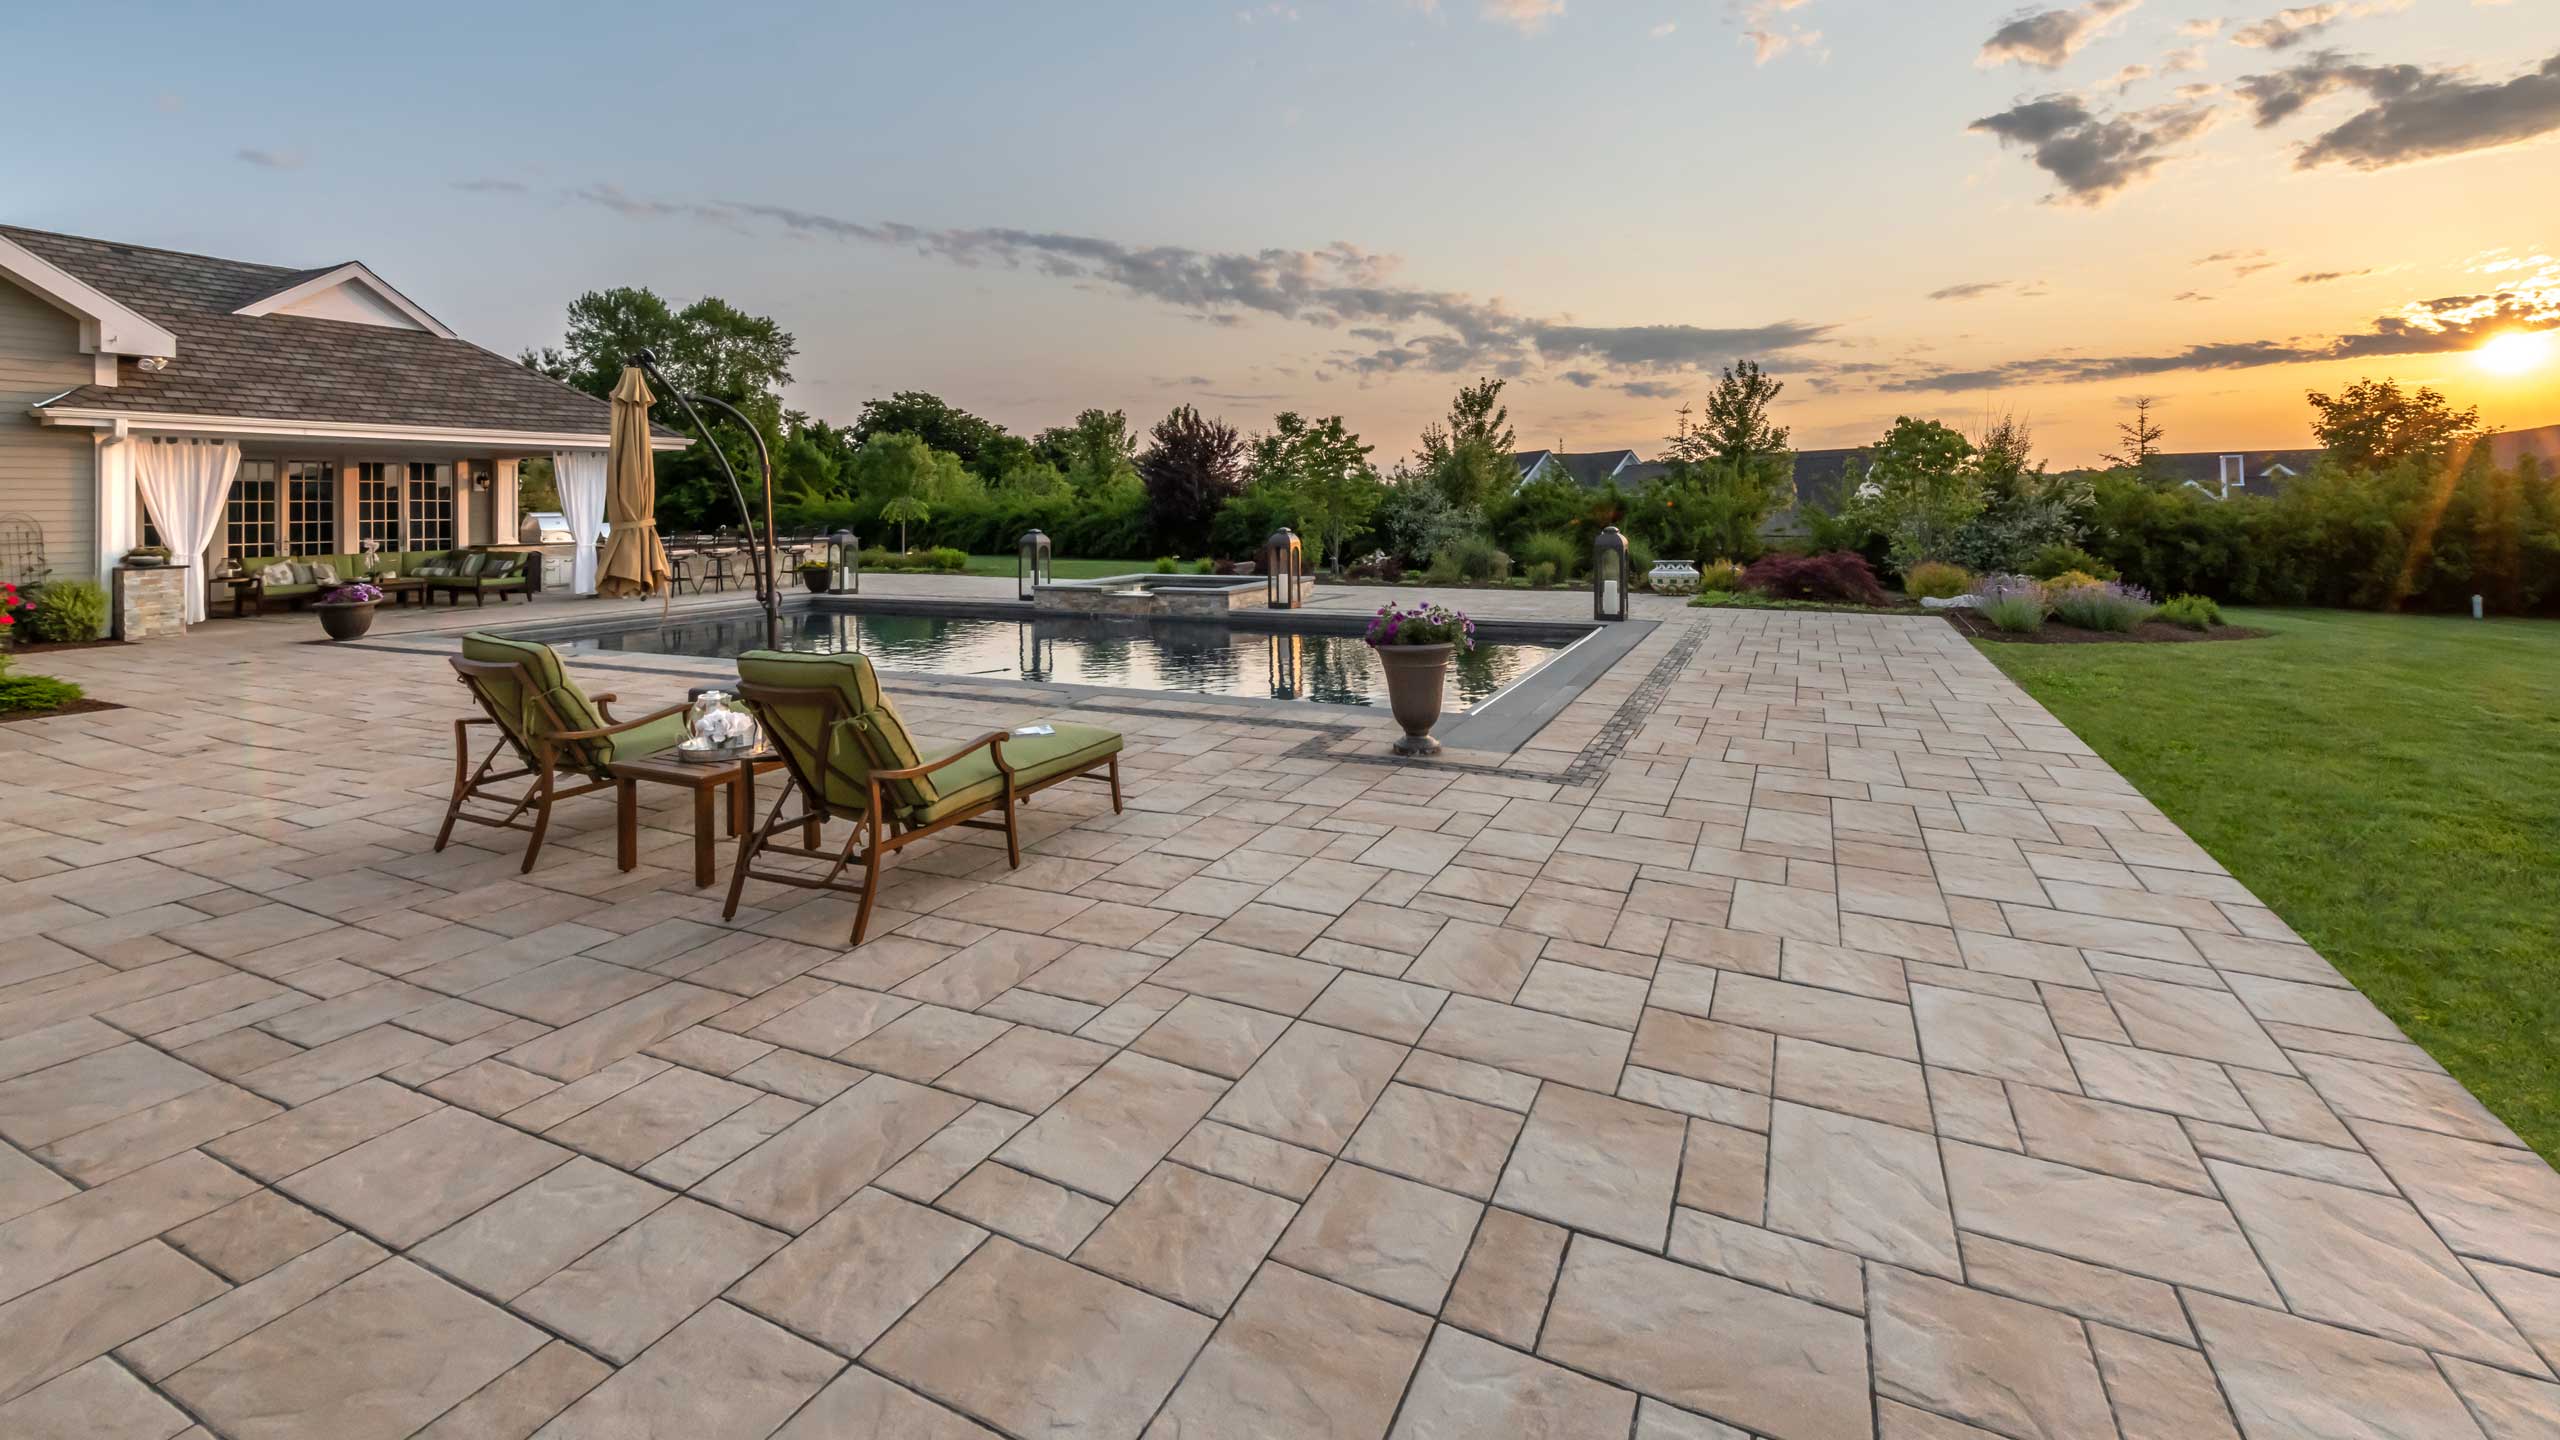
{"x":119,"y":508}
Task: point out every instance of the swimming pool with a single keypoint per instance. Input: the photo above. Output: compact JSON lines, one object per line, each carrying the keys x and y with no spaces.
{"x":1212,"y":658}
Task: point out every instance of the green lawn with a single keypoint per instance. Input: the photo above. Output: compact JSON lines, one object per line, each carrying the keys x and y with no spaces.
{"x":1065,"y":569}
{"x":2391,"y":785}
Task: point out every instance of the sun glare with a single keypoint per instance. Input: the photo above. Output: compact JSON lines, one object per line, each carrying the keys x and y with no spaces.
{"x":2515,"y":352}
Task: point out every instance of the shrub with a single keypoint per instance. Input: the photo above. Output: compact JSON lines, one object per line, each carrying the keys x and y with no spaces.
{"x":1719,"y":575}
{"x":941,"y":557}
{"x":1472,"y":557}
{"x":34,"y":692}
{"x":2195,"y":612}
{"x":1840,"y":576}
{"x":1167,"y":565}
{"x":1553,"y":549}
{"x":2070,"y":580}
{"x":1377,"y":565}
{"x":1640,"y":555}
{"x":1934,"y":580}
{"x":2103,"y":605}
{"x":66,"y":610}
{"x":2012,"y":603}
{"x":1205,"y":566}
{"x":1443,"y":569}
{"x":1542,"y":574}
{"x":2055,"y":561}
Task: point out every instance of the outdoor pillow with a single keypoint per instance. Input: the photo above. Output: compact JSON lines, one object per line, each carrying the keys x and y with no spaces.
{"x":280,"y":573}
{"x":316,"y":572}
{"x":472,"y":563}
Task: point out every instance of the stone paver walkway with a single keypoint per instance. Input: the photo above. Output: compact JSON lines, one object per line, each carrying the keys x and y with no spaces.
{"x":1805,"y":1037}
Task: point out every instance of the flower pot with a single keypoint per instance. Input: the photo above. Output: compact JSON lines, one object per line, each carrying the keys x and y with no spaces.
{"x":346,"y":622}
{"x":1417,"y":676}
{"x":815,"y":581}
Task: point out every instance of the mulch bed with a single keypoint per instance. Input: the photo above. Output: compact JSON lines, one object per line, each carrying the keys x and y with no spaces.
{"x":76,"y":707}
{"x":50,"y":646}
{"x":2149,"y":632}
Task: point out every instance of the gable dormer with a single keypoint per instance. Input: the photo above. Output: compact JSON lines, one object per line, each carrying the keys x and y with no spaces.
{"x":350,"y":294}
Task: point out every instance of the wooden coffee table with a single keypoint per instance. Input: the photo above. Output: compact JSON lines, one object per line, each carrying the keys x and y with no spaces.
{"x":704,"y":781}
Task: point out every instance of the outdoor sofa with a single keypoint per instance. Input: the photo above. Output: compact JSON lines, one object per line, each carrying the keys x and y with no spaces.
{"x":851,"y":758}
{"x":449,"y":571}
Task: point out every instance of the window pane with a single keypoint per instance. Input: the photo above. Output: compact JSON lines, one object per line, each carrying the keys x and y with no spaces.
{"x":311,"y":515}
{"x":249,"y":517}
{"x":430,"y":506}
{"x":378,"y":505}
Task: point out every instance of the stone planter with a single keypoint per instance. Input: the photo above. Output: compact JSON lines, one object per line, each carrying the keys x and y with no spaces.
{"x":1417,"y":677}
{"x":346,"y":622}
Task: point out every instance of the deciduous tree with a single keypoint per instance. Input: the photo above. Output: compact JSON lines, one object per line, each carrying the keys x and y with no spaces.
{"x":1192,"y":465}
{"x":2374,"y":425}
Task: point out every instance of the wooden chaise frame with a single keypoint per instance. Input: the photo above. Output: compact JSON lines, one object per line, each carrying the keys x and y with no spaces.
{"x":542,"y":754}
{"x":816,"y":808}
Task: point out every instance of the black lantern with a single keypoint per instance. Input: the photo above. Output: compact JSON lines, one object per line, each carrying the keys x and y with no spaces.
{"x":1288,"y":666}
{"x":1032,"y":571}
{"x":1284,"y":567}
{"x":844,"y":563}
{"x":1035,"y":653}
{"x":1609,"y":575}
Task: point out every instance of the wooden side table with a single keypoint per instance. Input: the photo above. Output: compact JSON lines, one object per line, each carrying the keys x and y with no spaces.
{"x":704,"y":781}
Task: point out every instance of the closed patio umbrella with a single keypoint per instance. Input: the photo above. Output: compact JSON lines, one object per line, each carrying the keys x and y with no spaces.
{"x":634,"y":562}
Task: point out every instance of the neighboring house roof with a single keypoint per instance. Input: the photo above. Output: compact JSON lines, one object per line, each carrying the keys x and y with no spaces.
{"x":2542,"y":443}
{"x":1590,"y":469}
{"x":2266,"y":471}
{"x":1822,"y":477}
{"x":234,"y":362}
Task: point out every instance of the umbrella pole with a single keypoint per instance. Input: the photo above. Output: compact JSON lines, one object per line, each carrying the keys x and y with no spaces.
{"x":768,"y":593}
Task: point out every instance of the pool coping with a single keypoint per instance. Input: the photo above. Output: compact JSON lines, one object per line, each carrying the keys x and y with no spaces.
{"x":1503,"y":722}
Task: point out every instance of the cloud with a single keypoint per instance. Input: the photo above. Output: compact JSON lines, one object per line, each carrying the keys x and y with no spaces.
{"x":1651,"y":389}
{"x":2421,"y":327}
{"x":1664,"y":30}
{"x":489,"y":185}
{"x":2323,"y":277}
{"x":1339,"y":287}
{"x":2047,"y":38}
{"x":1970,"y":290}
{"x":2287,"y":28}
{"x":2191,"y":297}
{"x":271,"y":159}
{"x":1526,"y":16}
{"x":1767,"y":35}
{"x":2179,"y":62}
{"x":1584,"y":379}
{"x":2125,"y":78}
{"x":2225,"y":257}
{"x":2201,"y":29}
{"x":2094,"y":155}
{"x":2413,"y":113}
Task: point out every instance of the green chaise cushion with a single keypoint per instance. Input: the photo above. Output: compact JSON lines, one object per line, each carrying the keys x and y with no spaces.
{"x":973,"y":779}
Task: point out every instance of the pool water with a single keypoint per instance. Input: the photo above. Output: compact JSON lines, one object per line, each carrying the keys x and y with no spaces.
{"x":1183,"y":655}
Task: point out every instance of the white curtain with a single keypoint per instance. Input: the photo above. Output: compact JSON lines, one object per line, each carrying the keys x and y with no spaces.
{"x":185,"y":483}
{"x":579,"y":474}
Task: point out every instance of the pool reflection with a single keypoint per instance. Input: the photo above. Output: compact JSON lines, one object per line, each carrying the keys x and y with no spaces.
{"x":1183,"y":655}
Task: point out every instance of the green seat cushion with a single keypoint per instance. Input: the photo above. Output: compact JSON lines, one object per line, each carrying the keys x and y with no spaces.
{"x":973,"y":779}
{"x":275,"y":592}
{"x":525,"y":721}
{"x":866,"y":735}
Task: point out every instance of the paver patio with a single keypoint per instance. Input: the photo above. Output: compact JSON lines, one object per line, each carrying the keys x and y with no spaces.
{"x":1803,"y":1037}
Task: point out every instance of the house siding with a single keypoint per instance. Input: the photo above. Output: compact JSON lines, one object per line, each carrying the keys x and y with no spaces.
{"x":45,"y":474}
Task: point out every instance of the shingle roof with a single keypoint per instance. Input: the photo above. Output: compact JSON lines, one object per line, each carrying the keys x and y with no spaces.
{"x":293,"y":367}
{"x":1821,"y":477}
{"x":1590,"y":469}
{"x":2204,"y":467}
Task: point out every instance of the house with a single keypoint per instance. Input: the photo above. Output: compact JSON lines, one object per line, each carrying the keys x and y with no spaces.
{"x":2508,"y":447}
{"x":303,"y":411}
{"x":1589,"y":469}
{"x":2224,"y":473}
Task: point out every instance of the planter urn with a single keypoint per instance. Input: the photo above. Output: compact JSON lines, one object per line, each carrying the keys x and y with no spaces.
{"x":1417,"y":677}
{"x":347,"y":621}
{"x":816,"y":579}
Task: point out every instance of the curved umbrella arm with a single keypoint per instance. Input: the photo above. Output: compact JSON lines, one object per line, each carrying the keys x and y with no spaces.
{"x":768,"y":590}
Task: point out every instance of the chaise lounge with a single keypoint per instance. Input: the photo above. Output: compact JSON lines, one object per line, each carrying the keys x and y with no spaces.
{"x":552,"y":726}
{"x":851,"y":758}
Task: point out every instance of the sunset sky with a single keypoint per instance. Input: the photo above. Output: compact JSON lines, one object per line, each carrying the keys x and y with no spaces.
{"x":1931,"y":207}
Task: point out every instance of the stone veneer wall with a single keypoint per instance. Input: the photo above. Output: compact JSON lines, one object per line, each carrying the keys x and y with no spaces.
{"x":151,"y":601}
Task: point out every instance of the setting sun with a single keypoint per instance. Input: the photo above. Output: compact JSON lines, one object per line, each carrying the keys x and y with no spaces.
{"x":2515,"y":352}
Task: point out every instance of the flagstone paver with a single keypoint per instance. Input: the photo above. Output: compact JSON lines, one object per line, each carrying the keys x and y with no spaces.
{"x":1801,"y":1037}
